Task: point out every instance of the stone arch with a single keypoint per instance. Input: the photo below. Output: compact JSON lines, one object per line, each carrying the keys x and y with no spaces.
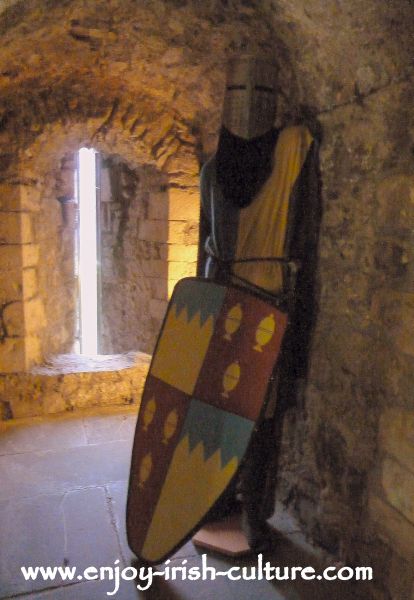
{"x":139,"y":135}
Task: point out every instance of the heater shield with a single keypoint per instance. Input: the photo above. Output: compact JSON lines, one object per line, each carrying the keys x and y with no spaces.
{"x":204,"y":393}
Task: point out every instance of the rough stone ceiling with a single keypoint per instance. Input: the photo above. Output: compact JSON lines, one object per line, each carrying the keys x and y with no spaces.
{"x":166,"y":57}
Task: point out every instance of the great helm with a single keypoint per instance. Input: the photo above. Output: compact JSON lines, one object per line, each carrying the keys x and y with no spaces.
{"x":250,"y":98}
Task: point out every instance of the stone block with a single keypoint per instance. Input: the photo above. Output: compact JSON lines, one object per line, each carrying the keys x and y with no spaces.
{"x":155,"y":231}
{"x":183,"y":232}
{"x":155,"y":268}
{"x":12,"y":355}
{"x":398,"y":485}
{"x":11,"y":257}
{"x":15,"y":228}
{"x":53,"y":402}
{"x":158,"y":207}
{"x":146,"y":250}
{"x":13,"y":318}
{"x":34,"y":315}
{"x":10,"y":286}
{"x":30,"y":283}
{"x":396,"y":435}
{"x":159,"y":288}
{"x":161,"y":251}
{"x":178,"y":270}
{"x":184,"y":205}
{"x":65,"y":183}
{"x":391,"y":524}
{"x":67,"y":268}
{"x":10,"y":227}
{"x":26,"y":406}
{"x":177,"y":232}
{"x":33,"y":351}
{"x":10,"y":197}
{"x":26,"y":229}
{"x":70,"y":385}
{"x":183,"y":169}
{"x":396,"y":202}
{"x":30,"y":255}
{"x":158,"y":308}
{"x":30,"y":198}
{"x":182,"y":252}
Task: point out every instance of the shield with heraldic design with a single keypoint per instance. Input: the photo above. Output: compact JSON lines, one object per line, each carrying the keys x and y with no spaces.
{"x":205,"y":390}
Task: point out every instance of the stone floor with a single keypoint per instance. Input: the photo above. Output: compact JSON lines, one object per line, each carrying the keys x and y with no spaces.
{"x":63,"y":484}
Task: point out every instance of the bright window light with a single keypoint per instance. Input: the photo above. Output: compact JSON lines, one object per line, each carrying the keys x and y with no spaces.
{"x":88,"y":252}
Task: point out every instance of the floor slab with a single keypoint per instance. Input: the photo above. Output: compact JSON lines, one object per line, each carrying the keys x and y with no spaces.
{"x":102,"y":429}
{"x":48,"y":435}
{"x":31,"y":474}
{"x":72,"y":529}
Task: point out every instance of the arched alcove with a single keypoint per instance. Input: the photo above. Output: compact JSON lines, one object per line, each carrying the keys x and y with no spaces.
{"x":44,"y":173}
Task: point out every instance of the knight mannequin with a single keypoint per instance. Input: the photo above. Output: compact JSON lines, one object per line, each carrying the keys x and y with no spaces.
{"x":258,"y":220}
{"x":259,"y":196}
{"x":248,"y":121}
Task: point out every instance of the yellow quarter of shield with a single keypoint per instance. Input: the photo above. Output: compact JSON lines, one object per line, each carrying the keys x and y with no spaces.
{"x":181,"y":349}
{"x":195,"y":484}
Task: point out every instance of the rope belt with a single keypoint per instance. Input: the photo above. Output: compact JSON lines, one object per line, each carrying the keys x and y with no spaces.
{"x":281,"y":298}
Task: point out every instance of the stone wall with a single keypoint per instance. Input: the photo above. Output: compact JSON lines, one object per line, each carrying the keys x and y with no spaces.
{"x":38,"y":286}
{"x":54,"y":317}
{"x":12,"y":272}
{"x":347,"y":464}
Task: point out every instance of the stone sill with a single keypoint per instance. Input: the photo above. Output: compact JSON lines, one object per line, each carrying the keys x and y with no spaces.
{"x":62,"y":364}
{"x":71,"y":382}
